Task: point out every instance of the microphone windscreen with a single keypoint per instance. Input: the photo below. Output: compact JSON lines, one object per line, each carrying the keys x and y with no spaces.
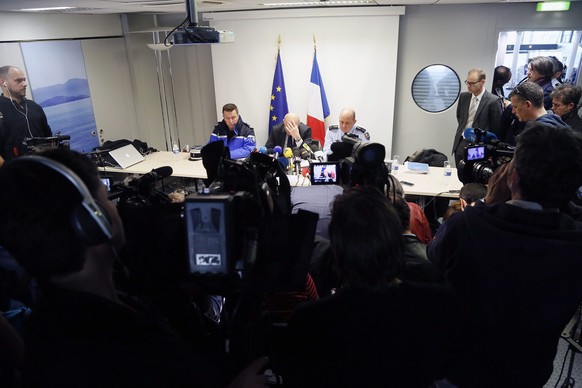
{"x":469,"y":135}
{"x":163,"y":172}
{"x":288,"y":153}
{"x":284,"y":162}
{"x":305,"y":171}
{"x":341,"y":149}
{"x":263,"y":150}
{"x":277,"y":150}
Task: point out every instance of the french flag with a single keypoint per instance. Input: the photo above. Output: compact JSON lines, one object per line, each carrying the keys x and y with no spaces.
{"x":317,"y":108}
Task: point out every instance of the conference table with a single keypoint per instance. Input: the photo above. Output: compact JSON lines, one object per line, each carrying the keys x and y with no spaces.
{"x":432,"y":184}
{"x":181,"y":166}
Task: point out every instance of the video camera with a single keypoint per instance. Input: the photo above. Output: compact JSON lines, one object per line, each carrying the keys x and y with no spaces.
{"x":38,"y":144}
{"x":361,"y":163}
{"x":484,"y":154}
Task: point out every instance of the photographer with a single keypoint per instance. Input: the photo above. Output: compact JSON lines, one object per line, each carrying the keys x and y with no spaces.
{"x":84,"y":331}
{"x":519,"y":289}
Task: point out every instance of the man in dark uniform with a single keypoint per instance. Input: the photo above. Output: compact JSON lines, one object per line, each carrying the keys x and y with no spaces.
{"x":237,"y":135}
{"x":19,"y":118}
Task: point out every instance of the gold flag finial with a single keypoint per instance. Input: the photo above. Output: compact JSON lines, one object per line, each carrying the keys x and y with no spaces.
{"x":314,"y":43}
{"x":279,"y":42}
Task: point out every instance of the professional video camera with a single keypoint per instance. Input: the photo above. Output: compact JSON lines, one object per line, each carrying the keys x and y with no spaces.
{"x":484,"y":154}
{"x":39,"y":144}
{"x":361,"y":163}
{"x":241,"y":226}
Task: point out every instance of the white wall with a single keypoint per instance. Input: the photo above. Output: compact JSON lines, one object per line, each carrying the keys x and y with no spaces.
{"x":356,"y":52}
{"x":462,"y":37}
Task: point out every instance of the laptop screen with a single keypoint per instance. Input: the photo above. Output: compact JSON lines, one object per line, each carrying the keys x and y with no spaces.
{"x":126,"y":156}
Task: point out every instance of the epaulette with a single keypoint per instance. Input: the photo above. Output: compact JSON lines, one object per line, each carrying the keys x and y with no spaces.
{"x":333,"y":127}
{"x":364,"y":131}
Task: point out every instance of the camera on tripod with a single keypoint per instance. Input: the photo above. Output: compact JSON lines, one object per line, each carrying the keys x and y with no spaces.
{"x":482,"y":156}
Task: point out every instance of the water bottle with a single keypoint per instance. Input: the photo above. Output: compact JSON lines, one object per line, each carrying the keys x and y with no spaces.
{"x":395,"y":164}
{"x":447,"y":172}
{"x":176,"y":150}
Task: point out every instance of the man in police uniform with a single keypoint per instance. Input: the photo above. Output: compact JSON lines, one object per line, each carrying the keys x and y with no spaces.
{"x":347,"y":126}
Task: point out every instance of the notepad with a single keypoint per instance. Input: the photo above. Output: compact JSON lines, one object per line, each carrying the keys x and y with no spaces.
{"x":416,"y":168}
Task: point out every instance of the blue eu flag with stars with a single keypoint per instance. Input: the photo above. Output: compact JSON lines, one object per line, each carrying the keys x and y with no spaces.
{"x":278,"y":107}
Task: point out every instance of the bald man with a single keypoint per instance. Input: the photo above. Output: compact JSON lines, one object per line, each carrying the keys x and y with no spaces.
{"x":347,"y":126}
{"x":290,"y":133}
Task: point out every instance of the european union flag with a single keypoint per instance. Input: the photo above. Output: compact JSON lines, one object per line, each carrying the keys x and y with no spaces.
{"x":278,"y":107}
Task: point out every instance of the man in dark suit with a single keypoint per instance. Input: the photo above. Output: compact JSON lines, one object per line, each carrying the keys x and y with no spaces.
{"x":477,"y":108}
{"x":290,"y":133}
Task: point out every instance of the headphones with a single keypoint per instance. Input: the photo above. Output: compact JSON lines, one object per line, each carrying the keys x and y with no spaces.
{"x":89,"y":220}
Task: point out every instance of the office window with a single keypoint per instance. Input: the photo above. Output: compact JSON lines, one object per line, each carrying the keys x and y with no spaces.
{"x":436,"y":88}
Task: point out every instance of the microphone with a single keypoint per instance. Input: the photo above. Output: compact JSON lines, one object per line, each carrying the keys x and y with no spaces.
{"x":308,"y":149}
{"x":288,"y":153}
{"x":470,"y":135}
{"x":305,"y":172}
{"x":145,"y":180}
{"x":263,"y":150}
{"x":278,"y":150}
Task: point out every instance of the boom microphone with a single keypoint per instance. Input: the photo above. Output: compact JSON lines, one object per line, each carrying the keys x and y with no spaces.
{"x":470,"y":135}
{"x":145,"y":180}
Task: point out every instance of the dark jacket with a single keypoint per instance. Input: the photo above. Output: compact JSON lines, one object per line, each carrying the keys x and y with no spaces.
{"x":278,"y":135}
{"x":241,"y":141}
{"x":517,"y":272}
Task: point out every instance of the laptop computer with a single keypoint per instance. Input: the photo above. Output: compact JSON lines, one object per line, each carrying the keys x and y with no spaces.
{"x":126,"y":156}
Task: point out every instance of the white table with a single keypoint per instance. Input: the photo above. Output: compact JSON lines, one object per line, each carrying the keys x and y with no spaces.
{"x":433,"y":184}
{"x":181,"y":166}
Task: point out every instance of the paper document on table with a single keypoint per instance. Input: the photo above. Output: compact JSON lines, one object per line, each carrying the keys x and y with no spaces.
{"x":416,"y":168}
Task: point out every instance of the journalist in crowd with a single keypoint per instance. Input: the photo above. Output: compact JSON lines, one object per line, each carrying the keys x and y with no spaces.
{"x":516,"y":264}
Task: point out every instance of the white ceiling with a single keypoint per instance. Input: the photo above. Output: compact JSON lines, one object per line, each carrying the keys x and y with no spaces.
{"x":179,"y":6}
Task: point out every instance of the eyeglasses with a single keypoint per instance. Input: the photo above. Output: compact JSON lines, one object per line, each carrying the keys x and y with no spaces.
{"x":471,"y":83}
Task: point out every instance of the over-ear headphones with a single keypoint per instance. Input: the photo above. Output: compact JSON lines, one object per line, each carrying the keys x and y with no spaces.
{"x":89,"y":220}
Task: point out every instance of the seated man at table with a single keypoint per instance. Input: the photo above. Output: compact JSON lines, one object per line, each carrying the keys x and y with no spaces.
{"x":516,"y":265}
{"x":237,"y":135}
{"x":290,"y":133}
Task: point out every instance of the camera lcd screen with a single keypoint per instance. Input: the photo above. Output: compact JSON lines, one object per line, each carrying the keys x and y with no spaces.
{"x":107,"y":183}
{"x":475,"y":153}
{"x":324,"y":173}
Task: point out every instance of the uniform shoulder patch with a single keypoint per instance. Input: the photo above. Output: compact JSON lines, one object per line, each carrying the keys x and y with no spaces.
{"x":333,"y":128}
{"x":364,"y":131}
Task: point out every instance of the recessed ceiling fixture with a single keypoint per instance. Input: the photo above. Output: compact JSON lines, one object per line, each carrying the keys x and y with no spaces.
{"x":46,"y":9}
{"x":320,"y":3}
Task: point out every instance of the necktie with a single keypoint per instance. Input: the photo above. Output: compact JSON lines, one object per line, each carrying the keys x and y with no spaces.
{"x":472,"y":110}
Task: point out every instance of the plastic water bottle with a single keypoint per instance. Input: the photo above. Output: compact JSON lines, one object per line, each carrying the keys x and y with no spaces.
{"x":176,"y":150}
{"x":447,"y":172}
{"x":395,"y":164}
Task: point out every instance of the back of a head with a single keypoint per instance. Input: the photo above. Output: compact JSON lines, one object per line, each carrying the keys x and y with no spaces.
{"x":549,"y":163}
{"x":36,"y":206}
{"x":365,"y":235}
{"x":502,"y":75}
{"x":472,"y":192}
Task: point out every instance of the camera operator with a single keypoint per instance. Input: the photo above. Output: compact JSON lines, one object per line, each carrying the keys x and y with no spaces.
{"x":85,"y":332}
{"x":19,"y":118}
{"x":516,"y":265}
